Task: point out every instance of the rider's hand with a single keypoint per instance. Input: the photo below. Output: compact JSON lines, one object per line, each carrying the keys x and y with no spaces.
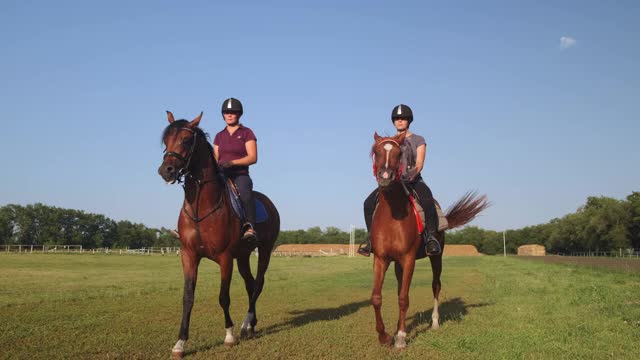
{"x":412,"y":173}
{"x":226,"y":164}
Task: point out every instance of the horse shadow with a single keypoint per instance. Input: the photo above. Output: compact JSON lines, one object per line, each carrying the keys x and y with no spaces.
{"x":300,"y":318}
{"x":451,"y":310}
{"x":307,"y":316}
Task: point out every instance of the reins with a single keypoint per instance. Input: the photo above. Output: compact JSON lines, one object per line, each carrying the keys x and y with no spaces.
{"x":185,"y":172}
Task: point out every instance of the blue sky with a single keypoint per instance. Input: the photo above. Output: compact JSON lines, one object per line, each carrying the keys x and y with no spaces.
{"x":506,"y":107}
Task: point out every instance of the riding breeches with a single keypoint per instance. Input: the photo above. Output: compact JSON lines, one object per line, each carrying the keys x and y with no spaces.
{"x":244,"y":184}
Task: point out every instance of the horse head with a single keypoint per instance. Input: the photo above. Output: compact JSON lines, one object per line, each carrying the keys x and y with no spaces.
{"x":180,"y":139}
{"x":387,"y":159}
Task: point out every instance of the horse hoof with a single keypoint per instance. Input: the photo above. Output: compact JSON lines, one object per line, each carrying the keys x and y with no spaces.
{"x":247,"y":333}
{"x":400,"y":344}
{"x":435,"y":326}
{"x":385,"y":339}
{"x":229,"y":344}
{"x":177,"y":355}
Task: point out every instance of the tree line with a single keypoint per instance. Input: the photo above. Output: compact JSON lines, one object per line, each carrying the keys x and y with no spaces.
{"x":39,"y":224}
{"x":601,"y":224}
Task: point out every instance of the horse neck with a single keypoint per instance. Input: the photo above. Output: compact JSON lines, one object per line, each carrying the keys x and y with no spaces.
{"x":394,"y":197}
{"x":203,"y":175}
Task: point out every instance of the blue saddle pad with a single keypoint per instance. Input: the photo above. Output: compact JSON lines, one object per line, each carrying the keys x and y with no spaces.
{"x":236,"y":204}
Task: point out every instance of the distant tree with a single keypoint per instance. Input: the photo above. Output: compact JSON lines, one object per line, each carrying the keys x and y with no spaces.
{"x":314,"y":235}
{"x":7,"y":223}
{"x":633,"y":228}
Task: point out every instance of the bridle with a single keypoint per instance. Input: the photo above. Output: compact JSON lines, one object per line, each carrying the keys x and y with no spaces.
{"x":391,"y":142}
{"x":187,"y":161}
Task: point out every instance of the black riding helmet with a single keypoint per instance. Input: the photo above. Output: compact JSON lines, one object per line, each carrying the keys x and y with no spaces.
{"x":232,"y":105}
{"x":402,"y":111}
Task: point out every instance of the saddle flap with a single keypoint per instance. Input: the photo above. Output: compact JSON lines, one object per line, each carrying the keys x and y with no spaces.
{"x":238,"y":209}
{"x":443,"y":224}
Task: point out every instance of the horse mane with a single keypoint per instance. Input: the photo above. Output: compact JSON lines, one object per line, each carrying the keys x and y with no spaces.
{"x":183,"y":123}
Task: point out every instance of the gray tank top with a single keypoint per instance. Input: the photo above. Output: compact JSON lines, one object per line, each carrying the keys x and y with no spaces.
{"x":410,"y":152}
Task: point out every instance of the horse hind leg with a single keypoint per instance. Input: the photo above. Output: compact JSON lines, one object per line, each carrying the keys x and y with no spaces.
{"x":264,"y":257}
{"x":244,"y":267}
{"x":398,"y":270}
{"x":436,"y":269}
{"x":379,"y":269}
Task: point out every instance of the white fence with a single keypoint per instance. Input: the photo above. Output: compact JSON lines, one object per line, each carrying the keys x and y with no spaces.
{"x":77,"y":249}
{"x":620,"y":253}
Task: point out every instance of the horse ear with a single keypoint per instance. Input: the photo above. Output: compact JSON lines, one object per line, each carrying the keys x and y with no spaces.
{"x":376,"y":137}
{"x":400,"y":138}
{"x":170,"y":117}
{"x":196,"y":121}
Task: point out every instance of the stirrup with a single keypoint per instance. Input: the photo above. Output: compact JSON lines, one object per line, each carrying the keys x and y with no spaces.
{"x":364,"y":248}
{"x":249,"y":233}
{"x":432,"y":246}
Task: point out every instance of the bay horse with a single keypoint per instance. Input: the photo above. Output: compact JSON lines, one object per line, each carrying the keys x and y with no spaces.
{"x":208,"y":228}
{"x":395,"y":235}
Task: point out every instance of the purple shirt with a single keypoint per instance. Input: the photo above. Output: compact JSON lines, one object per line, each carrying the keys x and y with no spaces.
{"x":232,"y":147}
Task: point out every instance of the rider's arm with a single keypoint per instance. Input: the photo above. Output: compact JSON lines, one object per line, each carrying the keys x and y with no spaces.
{"x":216,"y":153}
{"x":252,"y":155}
{"x":421,"y":152}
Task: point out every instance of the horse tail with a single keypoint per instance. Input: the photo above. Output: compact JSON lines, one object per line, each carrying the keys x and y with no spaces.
{"x":466,"y":209}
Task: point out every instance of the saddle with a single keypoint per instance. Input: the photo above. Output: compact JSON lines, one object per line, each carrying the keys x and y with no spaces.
{"x":443,"y":224}
{"x":418,"y":212}
{"x":238,"y":209}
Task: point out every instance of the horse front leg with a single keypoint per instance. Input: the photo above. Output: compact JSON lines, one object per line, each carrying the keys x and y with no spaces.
{"x":436,"y":269}
{"x":379,"y":269}
{"x":408,"y":265}
{"x":226,"y":270}
{"x":190,"y":263}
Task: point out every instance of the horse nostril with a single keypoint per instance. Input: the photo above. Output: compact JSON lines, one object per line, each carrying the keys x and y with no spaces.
{"x":169,"y":169}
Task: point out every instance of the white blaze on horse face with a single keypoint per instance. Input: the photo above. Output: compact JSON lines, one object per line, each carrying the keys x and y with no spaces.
{"x":388,"y":148}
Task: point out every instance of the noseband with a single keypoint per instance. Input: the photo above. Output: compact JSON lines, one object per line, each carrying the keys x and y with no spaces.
{"x":185,"y":169}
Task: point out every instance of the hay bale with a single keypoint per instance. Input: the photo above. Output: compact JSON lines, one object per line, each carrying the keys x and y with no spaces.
{"x":531,"y":250}
{"x":460,"y":250}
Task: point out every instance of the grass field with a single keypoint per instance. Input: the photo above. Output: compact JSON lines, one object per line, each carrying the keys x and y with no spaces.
{"x":105,"y":307}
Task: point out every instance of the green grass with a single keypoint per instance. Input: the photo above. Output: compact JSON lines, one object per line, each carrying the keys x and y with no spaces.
{"x":100,"y":306}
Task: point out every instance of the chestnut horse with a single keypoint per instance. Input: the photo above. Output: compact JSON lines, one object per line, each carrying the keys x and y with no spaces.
{"x":208,"y":227}
{"x":395,"y":237}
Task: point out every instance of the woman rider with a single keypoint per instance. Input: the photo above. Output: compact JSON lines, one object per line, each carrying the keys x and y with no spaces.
{"x":414,"y":149}
{"x":235,"y":149}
